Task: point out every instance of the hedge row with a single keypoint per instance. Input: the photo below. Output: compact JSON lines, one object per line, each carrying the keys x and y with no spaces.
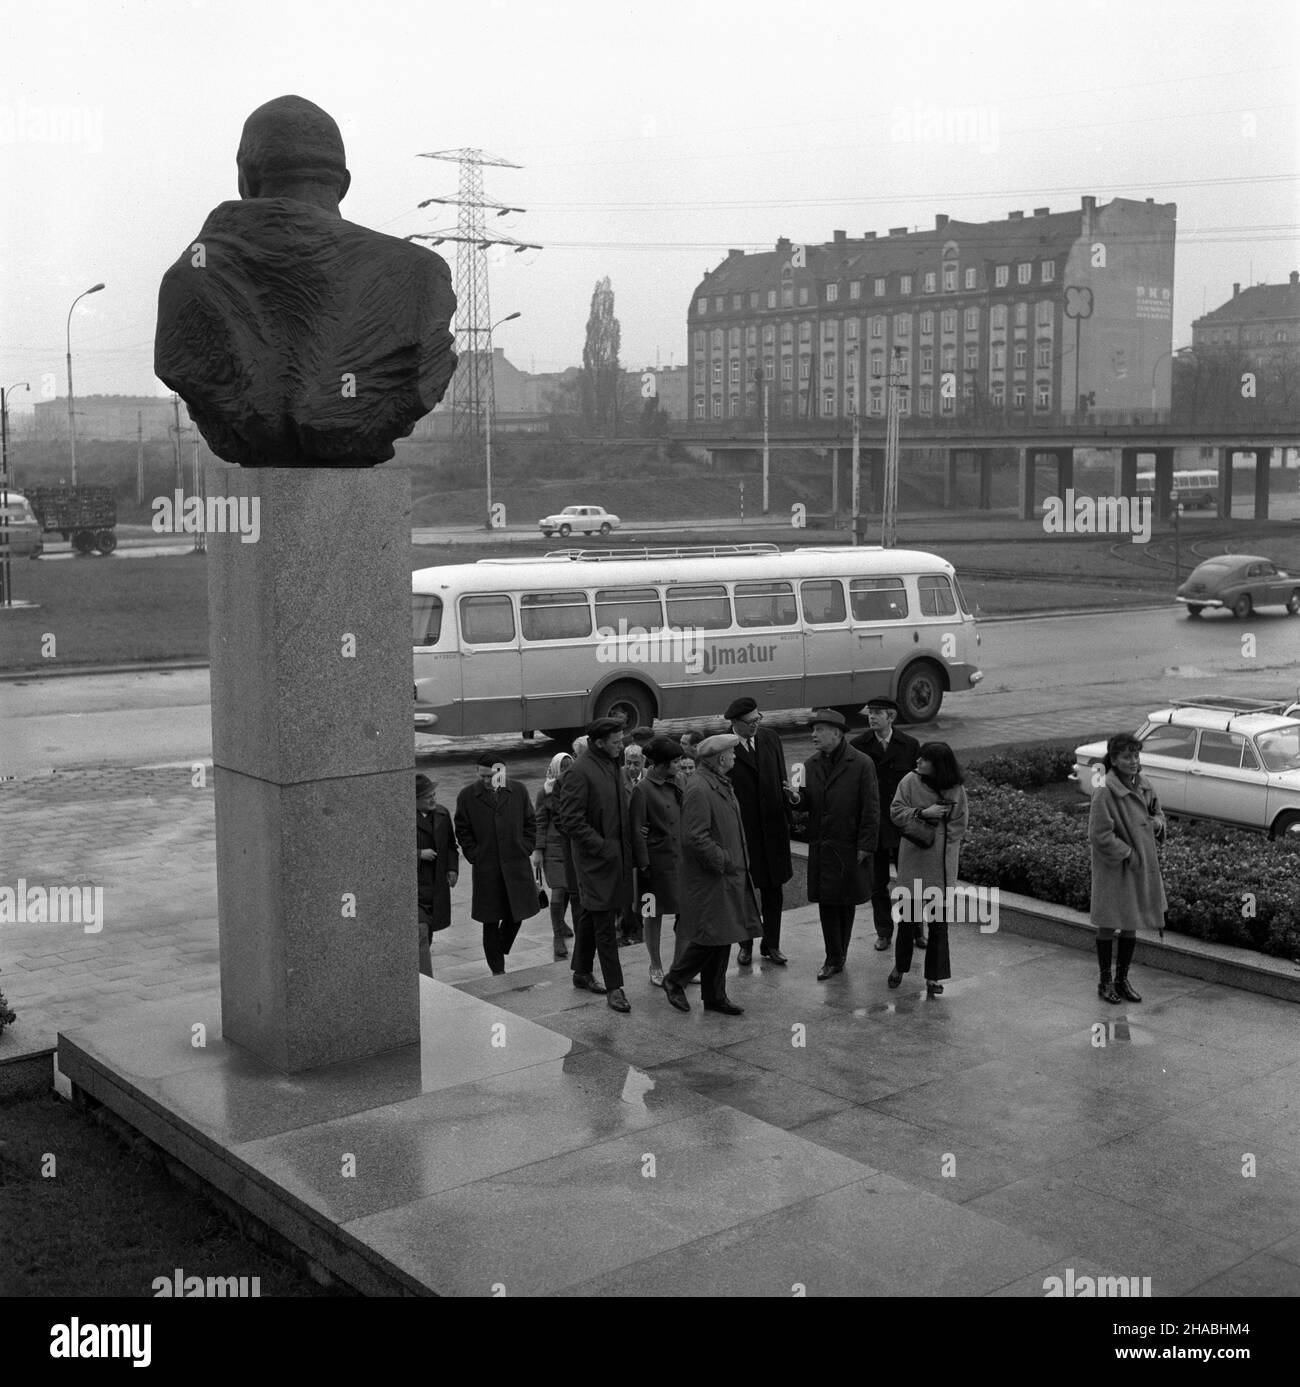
{"x":1223,"y":885}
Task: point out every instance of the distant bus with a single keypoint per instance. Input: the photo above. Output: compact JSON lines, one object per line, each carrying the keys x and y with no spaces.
{"x":547,"y":644}
{"x":1192,"y":488}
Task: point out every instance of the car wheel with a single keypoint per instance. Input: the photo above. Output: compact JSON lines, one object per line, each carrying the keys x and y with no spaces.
{"x":547,"y":533}
{"x":630,"y":703}
{"x":606,"y":528}
{"x":1287,"y":826}
{"x":1193,"y":609}
{"x":1241,"y":608}
{"x":105,"y":541}
{"x":565,"y":531}
{"x":1293,"y":602}
{"x":920,"y":692}
{"x":83,"y":541}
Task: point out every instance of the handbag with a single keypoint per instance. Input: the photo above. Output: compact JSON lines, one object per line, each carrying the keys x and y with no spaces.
{"x":543,"y":900}
{"x":919,"y":832}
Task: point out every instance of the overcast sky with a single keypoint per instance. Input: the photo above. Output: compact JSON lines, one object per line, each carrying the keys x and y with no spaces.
{"x":652,"y":137}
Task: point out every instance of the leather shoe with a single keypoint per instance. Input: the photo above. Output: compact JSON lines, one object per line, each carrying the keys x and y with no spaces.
{"x":745,"y":954}
{"x":617,"y":1000}
{"x":726,"y":1006}
{"x":922,"y":940}
{"x":676,"y":996}
{"x":882,"y":944}
{"x":895,"y":978}
{"x":561,"y":948}
{"x":775,"y":956}
{"x":828,"y":970}
{"x":588,"y":983}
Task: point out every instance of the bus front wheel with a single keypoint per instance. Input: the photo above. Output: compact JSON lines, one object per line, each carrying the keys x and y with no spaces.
{"x":629,"y":703}
{"x":920,"y":693}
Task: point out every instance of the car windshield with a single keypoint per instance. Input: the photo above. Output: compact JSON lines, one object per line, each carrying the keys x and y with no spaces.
{"x":1280,"y":749}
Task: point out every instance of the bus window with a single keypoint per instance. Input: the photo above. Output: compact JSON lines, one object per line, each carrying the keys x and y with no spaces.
{"x":554,"y":616}
{"x":936,"y":595}
{"x":701,"y":607}
{"x":823,"y":601}
{"x":426,"y":619}
{"x":637,"y":609}
{"x":487,"y":620}
{"x":961,"y":598}
{"x":877,"y":599}
{"x":765,"y":604}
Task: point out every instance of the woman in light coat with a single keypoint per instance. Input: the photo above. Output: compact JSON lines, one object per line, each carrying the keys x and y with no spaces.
{"x":551,"y":855}
{"x":929,"y":800}
{"x":1125,"y":826}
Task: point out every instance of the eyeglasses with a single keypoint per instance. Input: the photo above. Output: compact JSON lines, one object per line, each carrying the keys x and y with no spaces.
{"x":752,"y":720}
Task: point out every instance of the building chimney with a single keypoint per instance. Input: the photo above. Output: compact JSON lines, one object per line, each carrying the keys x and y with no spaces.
{"x":1151,"y":202}
{"x":940,"y":220}
{"x":1015,"y":216}
{"x":1089,"y":215}
{"x":1236,"y":289}
{"x":840,"y":237}
{"x":783,"y":245}
{"x":1295,"y":278}
{"x":898,"y":231}
{"x":1042,"y":211}
{"x":731,"y":254}
{"x":868,"y":235}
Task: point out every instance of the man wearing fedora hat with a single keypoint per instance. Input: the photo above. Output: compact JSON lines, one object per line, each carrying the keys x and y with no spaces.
{"x":893,"y":754}
{"x":843,"y":805}
{"x":759,"y":779}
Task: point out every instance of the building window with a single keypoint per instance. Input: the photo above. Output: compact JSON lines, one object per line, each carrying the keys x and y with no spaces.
{"x":902,"y":324}
{"x":717,"y":339}
{"x":999,"y":358}
{"x":950,"y":279}
{"x":787,"y":296}
{"x":828,"y":365}
{"x":855,"y":289}
{"x":769,"y":334}
{"x":699,"y":341}
{"x":717,"y":304}
{"x":851,"y":329}
{"x":751,"y":337}
{"x":735,"y":301}
{"x":877,"y":327}
{"x":927,"y":399}
{"x":968,"y":393}
{"x":1044,"y":355}
{"x":829,"y":329}
{"x":832,"y":292}
{"x":769,"y":368}
{"x":1024,"y":273}
{"x":972,"y":320}
{"x":1022,"y":314}
{"x":948,"y":357}
{"x":787,"y":332}
{"x":735,"y":403}
{"x":905,"y":284}
{"x":998,"y":317}
{"x":717,"y":373}
{"x":879,"y":288}
{"x":972,"y":356}
{"x":904,"y":401}
{"x":877,"y":363}
{"x":877,"y":402}
{"x":803,"y":293}
{"x":1046,"y":313}
{"x":771,"y":298}
{"x":735,"y":337}
{"x":902,"y":364}
{"x":1001,"y":275}
{"x":972,"y":278}
{"x":805,"y":367}
{"x":947,"y":404}
{"x":699,"y":373}
{"x":787,"y":369}
{"x":1049,"y":271}
{"x":828,"y":402}
{"x":1021,"y":356}
{"x":998,"y":393}
{"x":1018,"y":397}
{"x":699,"y":406}
{"x":717,"y":406}
{"x":927,"y":360}
{"x":928,"y":283}
{"x":1043,"y":395}
{"x":850,"y":401}
{"x":701,"y":305}
{"x":949,"y":320}
{"x":927,"y":324}
{"x":735,"y":370}
{"x":785,"y":408}
{"x":805,"y":331}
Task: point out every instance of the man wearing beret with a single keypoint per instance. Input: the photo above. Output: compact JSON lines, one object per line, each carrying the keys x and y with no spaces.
{"x":759,"y":779}
{"x":593,"y":813}
{"x":843,"y":805}
{"x":893,"y":754}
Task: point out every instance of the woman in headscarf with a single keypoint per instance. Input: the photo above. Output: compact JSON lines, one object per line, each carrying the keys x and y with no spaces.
{"x":550,"y":856}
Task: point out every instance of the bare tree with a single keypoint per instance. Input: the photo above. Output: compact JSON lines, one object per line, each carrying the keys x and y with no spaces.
{"x":602,"y":385}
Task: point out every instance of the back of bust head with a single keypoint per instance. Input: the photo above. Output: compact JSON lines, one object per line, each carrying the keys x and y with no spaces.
{"x":291,"y":148}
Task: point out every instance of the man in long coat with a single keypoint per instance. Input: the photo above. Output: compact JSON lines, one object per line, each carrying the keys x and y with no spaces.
{"x":593,"y":813}
{"x":719,"y":907}
{"x":759,"y":779}
{"x":843,"y":830}
{"x":893,"y":753}
{"x":438,"y":865}
{"x":496,"y":830}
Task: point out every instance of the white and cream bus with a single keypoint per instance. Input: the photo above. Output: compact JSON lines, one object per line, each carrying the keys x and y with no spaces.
{"x":549,"y":643}
{"x":1195,"y":488}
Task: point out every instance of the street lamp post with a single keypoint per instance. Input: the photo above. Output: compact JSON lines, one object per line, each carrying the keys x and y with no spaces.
{"x":72,"y":427}
{"x":491,"y":399}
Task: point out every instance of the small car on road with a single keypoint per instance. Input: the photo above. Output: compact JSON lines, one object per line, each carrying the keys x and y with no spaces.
{"x":1230,"y":761}
{"x":1239,"y":583}
{"x":22,"y":532}
{"x":589,"y":519}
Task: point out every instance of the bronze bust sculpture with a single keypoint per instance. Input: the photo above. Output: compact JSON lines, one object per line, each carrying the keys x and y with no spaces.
{"x":295,"y":338}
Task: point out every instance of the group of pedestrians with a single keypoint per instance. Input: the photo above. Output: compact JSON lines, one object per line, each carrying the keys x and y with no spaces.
{"x":629,"y":830}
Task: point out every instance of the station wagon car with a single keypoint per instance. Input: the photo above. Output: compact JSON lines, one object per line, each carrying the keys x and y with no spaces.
{"x":1239,"y":583}
{"x":588,"y":519}
{"x":22,"y":532}
{"x":1221,"y":760}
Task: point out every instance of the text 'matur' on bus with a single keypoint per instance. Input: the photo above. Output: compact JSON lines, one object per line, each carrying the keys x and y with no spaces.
{"x":547,"y":644}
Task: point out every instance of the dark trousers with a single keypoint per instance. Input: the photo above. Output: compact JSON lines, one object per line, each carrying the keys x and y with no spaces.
{"x":498,"y":936}
{"x":594,"y":935}
{"x":881,"y":905}
{"x":837,"y":929}
{"x":772,"y":901}
{"x":937,"y":966}
{"x":710,"y":962}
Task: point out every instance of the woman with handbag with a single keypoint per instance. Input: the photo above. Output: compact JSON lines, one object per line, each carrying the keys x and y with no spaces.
{"x":551,"y":866}
{"x":930,"y":812}
{"x":1125,"y":826}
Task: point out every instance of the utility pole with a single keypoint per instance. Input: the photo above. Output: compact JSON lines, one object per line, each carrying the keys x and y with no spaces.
{"x":139,"y":457}
{"x":767,"y":451}
{"x":176,"y":440}
{"x":889,"y":515}
{"x":200,"y":534}
{"x":856,"y":460}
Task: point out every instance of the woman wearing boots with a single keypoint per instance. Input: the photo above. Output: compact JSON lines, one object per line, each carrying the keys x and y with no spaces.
{"x":550,"y":856}
{"x":1124,"y":827}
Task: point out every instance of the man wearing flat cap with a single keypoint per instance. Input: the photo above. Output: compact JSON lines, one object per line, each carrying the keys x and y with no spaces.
{"x":593,"y":813}
{"x":761,"y":784}
{"x":893,"y":753}
{"x":718,"y":905}
{"x":843,"y":805}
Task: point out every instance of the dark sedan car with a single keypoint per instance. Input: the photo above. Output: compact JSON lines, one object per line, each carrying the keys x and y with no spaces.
{"x":1239,"y":583}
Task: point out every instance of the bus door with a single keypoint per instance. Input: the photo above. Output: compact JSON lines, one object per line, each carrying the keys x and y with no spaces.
{"x":882,"y":621}
{"x":769,"y":621}
{"x":830,"y":643}
{"x":491,"y":672}
{"x":558,"y":657}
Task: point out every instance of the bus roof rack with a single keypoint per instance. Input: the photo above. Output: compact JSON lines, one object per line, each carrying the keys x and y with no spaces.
{"x":700,"y":551}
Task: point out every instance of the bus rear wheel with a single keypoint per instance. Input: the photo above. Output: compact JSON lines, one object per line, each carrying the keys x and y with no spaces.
{"x":920,"y":693}
{"x":630,"y":703}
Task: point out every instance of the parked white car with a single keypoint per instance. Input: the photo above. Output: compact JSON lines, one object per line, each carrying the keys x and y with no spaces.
{"x":589,"y":519}
{"x":1230,"y":761}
